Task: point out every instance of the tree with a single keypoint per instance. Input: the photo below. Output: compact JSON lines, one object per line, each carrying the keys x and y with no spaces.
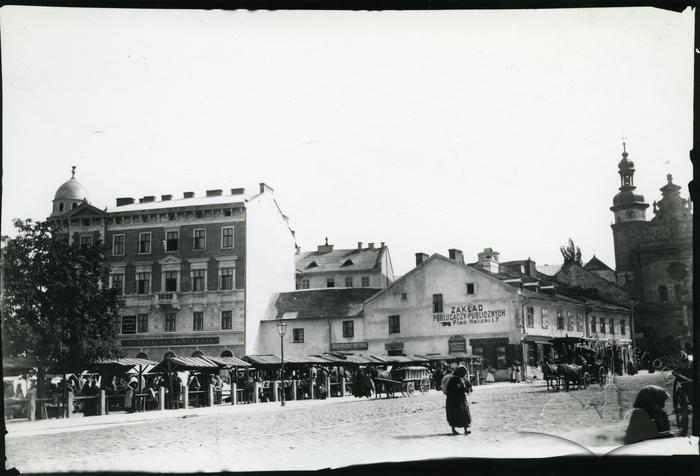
{"x":571,"y":253}
{"x":54,"y":307}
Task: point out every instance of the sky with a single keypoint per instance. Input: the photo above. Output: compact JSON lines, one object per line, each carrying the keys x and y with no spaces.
{"x":425,"y":130}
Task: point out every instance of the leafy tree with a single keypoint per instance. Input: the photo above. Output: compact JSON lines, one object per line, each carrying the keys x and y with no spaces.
{"x":54,"y":307}
{"x":571,"y":253}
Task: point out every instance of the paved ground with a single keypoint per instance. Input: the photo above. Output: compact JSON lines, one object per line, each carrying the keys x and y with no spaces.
{"x":509,"y":420}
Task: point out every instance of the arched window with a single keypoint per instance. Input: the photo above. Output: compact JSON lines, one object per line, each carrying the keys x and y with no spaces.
{"x":74,"y":205}
{"x":142,"y":355}
{"x":197,"y":353}
{"x":60,"y":207}
{"x":663,"y":293}
{"x":226,"y":353}
{"x":169,"y":355}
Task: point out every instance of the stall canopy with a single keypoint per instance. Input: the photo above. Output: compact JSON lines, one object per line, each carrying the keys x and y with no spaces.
{"x":18,"y":365}
{"x":439,"y":357}
{"x":228,"y":362}
{"x":398,"y":359}
{"x":172,"y":364}
{"x":126,"y":364}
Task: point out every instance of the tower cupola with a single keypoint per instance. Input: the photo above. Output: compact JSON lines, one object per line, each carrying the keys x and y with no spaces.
{"x":627,"y":205}
{"x":69,"y":195}
{"x":672,"y":205}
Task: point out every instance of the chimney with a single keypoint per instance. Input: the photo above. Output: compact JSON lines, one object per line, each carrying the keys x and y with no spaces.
{"x":370,"y":246}
{"x":359,"y":245}
{"x":488,"y":260}
{"x":456,"y":254}
{"x":214,"y":193}
{"x":237,"y":191}
{"x":149,"y":198}
{"x":420,"y":257}
{"x":530,"y":268}
{"x":165,"y":198}
{"x":265,"y":188}
{"x":325,"y":248}
{"x":382,"y":244}
{"x":124,"y":201}
{"x":188,"y":195}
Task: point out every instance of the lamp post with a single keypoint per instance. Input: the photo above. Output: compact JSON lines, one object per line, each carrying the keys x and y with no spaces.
{"x":281,"y":330}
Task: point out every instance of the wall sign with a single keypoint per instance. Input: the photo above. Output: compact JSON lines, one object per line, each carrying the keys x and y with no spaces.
{"x":470,"y":314}
{"x":169,"y":342}
{"x":457,"y":345}
{"x":393,"y":346}
{"x":128,"y":324}
{"x":340,"y":346}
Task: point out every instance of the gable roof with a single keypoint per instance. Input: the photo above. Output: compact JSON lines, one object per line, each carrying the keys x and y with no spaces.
{"x":322,"y":303}
{"x":549,"y":269}
{"x":337,"y":260}
{"x":594,"y":264}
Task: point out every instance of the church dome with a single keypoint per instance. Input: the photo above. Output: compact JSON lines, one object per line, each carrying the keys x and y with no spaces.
{"x":625,"y":163}
{"x":71,"y":190}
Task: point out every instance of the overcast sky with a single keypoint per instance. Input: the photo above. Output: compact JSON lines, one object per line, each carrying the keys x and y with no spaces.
{"x":426,"y":130}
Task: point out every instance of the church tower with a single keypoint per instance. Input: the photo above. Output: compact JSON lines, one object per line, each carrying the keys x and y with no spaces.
{"x":630,"y":217}
{"x":68,"y":196}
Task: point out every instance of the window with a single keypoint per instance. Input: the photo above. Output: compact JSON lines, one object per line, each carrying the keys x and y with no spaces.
{"x":348,"y":281}
{"x":129,"y":325}
{"x":170,"y":322}
{"x":144,"y":243}
{"x":143,"y":283}
{"x":560,"y":319}
{"x":142,"y":323}
{"x":571,"y":325}
{"x":394,"y":324}
{"x":305,"y":284}
{"x":198,"y":280}
{"x":530,"y":320}
{"x":470,"y":288}
{"x":623,"y":331}
{"x":170,"y":281}
{"x":365,"y":281}
{"x":663,"y":293}
{"x":226,"y":320}
{"x":330,"y":283}
{"x":118,"y":283}
{"x":171,"y":240}
{"x":404,"y":296}
{"x":298,"y":336}
{"x":85,"y":243}
{"x":60,"y":207}
{"x":226,"y":279}
{"x":611,"y":324}
{"x":199,"y":239}
{"x":348,"y":329}
{"x":579,"y":322}
{"x":545,"y":318}
{"x":594,"y":323}
{"x":227,"y":237}
{"x":501,"y":357}
{"x":437,"y":303}
{"x":118,"y":245}
{"x":602,"y":325}
{"x":197,"y":321}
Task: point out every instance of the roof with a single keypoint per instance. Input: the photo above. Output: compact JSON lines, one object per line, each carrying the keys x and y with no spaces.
{"x":594,"y":264}
{"x":71,"y":190}
{"x":366,"y":259}
{"x":128,"y":362}
{"x":229,"y":361}
{"x":271,"y":359}
{"x":185,"y":363}
{"x":180,"y":202}
{"x":322,"y":303}
{"x":549,"y":269}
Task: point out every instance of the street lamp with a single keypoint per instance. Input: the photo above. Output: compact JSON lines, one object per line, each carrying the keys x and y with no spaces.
{"x":282,"y":330}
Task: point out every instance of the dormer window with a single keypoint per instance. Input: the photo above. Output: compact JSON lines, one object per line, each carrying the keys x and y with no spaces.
{"x":348,"y":263}
{"x":313,"y":264}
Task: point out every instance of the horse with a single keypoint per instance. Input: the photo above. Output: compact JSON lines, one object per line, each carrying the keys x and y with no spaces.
{"x":551,"y":374}
{"x":381,"y":386}
{"x":571,"y":374}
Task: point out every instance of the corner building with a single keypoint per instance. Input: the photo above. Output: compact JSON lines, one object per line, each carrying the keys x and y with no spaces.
{"x":196,"y":273}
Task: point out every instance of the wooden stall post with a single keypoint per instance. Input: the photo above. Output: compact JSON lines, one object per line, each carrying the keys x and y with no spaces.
{"x":186,"y":390}
{"x":103,"y":402}
{"x":210,"y":399}
{"x":342,"y":386}
{"x":161,"y":398}
{"x":274,"y":385}
{"x":311,"y":389}
{"x":294,"y":389}
{"x":256,"y":390}
{"x":328,"y":387}
{"x":234,"y":393}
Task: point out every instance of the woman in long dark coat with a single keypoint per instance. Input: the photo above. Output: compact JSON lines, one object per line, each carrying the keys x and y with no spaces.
{"x":456,"y":407}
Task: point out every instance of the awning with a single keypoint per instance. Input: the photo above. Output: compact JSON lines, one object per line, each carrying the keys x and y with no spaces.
{"x":263,"y":360}
{"x":172,"y":364}
{"x":124,"y":365}
{"x":438,"y":357}
{"x":228,"y":362}
{"x":538,"y":339}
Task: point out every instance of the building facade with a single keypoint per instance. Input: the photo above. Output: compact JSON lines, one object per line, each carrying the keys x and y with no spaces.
{"x":196,"y":273}
{"x":654,"y":262}
{"x":361,"y":267}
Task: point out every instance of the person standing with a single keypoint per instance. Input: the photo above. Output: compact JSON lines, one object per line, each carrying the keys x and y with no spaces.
{"x":456,"y":407}
{"x":518,"y":378}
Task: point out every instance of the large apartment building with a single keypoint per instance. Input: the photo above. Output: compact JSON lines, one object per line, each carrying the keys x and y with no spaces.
{"x":196,"y":272}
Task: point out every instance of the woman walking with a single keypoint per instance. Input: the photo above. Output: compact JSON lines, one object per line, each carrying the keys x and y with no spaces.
{"x":456,"y":406}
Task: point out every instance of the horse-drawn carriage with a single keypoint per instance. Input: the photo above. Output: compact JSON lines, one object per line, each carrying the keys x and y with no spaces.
{"x":401,"y":379}
{"x":577,"y":365}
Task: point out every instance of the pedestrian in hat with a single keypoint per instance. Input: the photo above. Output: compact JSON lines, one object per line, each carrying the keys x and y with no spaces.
{"x":456,"y":407}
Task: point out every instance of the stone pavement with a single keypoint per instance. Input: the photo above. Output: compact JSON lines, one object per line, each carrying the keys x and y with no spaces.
{"x":510,"y":420}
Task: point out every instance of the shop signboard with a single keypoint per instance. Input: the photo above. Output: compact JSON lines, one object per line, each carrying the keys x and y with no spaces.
{"x":341,"y":346}
{"x":457,"y":345}
{"x":393,"y":346}
{"x":169,"y":342}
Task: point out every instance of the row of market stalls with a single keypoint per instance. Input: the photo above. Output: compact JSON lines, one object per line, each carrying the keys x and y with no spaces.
{"x":133,"y":384}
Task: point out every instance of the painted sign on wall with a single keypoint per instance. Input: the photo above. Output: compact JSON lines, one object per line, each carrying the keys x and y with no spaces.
{"x":469,"y":314}
{"x":338,"y":346}
{"x":457,"y":345}
{"x":168,"y":342}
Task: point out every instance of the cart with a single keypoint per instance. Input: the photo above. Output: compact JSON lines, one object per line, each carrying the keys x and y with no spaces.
{"x":403,"y":379}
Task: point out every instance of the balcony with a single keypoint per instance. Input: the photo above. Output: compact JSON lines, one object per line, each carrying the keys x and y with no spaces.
{"x":167,"y":299}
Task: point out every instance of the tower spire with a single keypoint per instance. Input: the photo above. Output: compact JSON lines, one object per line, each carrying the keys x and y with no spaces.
{"x":72,"y":172}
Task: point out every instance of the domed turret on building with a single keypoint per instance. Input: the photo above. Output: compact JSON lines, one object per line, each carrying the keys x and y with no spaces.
{"x":69,"y":195}
{"x":672,"y":206}
{"x":627,"y":205}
